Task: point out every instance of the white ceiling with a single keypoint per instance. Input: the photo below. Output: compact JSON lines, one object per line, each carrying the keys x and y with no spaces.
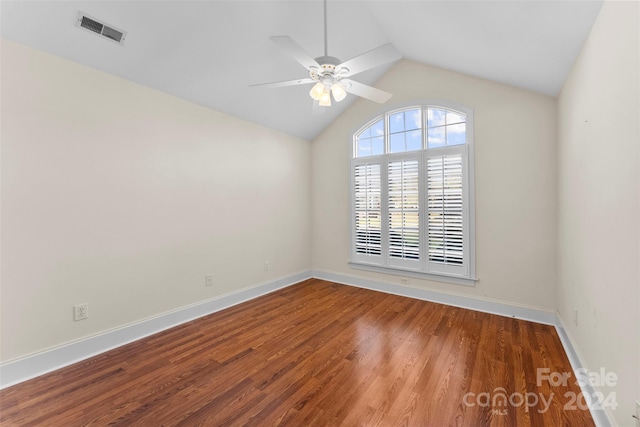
{"x":209,"y":52}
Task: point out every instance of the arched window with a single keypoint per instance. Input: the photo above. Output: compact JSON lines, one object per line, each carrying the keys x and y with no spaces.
{"x":412,"y":194}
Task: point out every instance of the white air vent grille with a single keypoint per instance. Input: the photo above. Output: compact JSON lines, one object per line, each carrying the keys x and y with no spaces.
{"x":112,"y":34}
{"x":88,"y":23}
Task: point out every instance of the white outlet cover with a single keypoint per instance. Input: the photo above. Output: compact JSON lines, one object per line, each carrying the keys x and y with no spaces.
{"x":80,"y":311}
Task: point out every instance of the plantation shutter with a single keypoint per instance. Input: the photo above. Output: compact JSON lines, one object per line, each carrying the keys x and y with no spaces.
{"x":367,"y":209}
{"x":446,"y":211}
{"x":412,"y":194}
{"x":403,"y":178}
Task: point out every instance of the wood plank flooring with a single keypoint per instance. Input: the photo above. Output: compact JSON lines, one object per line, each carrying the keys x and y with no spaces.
{"x":315,"y":354}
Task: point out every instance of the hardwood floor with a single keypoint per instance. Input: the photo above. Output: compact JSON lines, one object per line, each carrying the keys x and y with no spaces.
{"x":315,"y":354}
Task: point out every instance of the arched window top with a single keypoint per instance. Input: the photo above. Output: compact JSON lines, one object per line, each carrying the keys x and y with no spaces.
{"x":414,"y":128}
{"x":370,"y":140}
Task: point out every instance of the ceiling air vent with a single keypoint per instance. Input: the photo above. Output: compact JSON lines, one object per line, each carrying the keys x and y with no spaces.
{"x":88,"y":23}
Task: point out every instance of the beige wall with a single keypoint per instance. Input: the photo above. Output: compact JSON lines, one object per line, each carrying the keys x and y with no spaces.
{"x":124,"y":197}
{"x":599,"y":204}
{"x":515,"y":164}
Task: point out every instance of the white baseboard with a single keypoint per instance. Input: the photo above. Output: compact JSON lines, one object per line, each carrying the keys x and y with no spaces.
{"x":601,"y":417}
{"x":25,"y":368}
{"x":485,"y":305}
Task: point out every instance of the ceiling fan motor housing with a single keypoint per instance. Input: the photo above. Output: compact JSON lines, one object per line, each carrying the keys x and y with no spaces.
{"x":328,"y":61}
{"x":328,"y":69}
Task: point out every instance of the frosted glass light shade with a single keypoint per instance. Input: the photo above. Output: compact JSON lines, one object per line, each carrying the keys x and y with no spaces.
{"x":325,"y":99}
{"x":316,"y":91}
{"x":338,"y":92}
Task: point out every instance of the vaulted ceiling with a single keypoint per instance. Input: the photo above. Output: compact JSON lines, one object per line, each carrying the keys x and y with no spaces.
{"x":210,"y":52}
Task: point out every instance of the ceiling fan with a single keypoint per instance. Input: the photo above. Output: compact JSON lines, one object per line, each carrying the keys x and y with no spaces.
{"x":330,"y":75}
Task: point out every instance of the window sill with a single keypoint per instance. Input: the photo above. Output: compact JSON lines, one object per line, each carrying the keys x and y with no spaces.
{"x":457,"y":280}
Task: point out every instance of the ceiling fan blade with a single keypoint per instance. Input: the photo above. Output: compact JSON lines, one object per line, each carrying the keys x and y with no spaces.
{"x":287,"y":44}
{"x":286,"y":83}
{"x":364,"y":91}
{"x":371,"y":59}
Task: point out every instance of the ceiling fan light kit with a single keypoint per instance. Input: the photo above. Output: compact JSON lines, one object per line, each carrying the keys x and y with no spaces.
{"x":323,"y":90}
{"x":330,"y":74}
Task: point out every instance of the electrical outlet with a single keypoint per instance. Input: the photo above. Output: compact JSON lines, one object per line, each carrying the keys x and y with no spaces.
{"x":208,"y":280}
{"x":80,"y":311}
{"x":267,"y":266}
{"x":404,"y":280}
{"x":575,"y":316}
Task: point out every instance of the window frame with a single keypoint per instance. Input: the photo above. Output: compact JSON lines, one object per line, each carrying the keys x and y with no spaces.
{"x":423,"y":268}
